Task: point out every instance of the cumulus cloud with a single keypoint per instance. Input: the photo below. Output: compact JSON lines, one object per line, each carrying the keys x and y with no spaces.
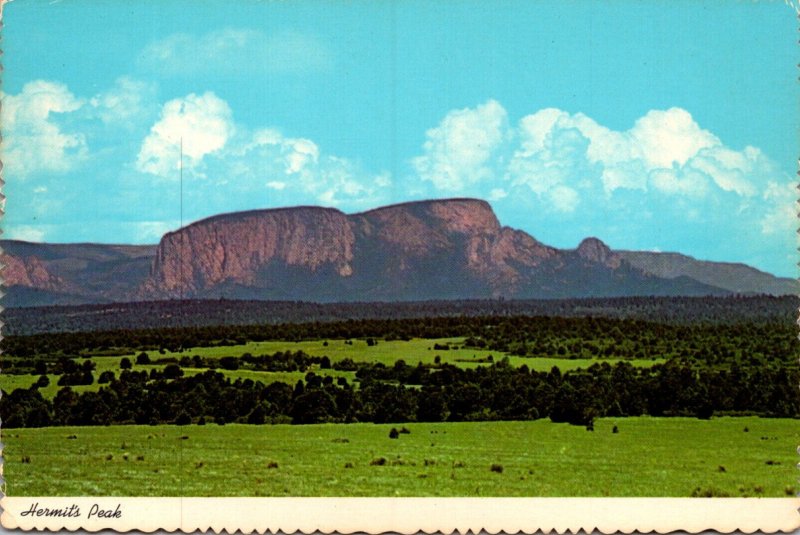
{"x":34,"y":141}
{"x":666,"y":180}
{"x":25,"y":233}
{"x":246,"y":167}
{"x":558,"y":156}
{"x":202,"y":123}
{"x":236,"y":51}
{"x":297,"y":167}
{"x":129,"y":100}
{"x":152,"y":231}
{"x":458,"y":151}
{"x":781,"y":215}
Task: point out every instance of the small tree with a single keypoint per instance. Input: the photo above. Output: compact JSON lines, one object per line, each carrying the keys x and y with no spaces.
{"x":172,"y":371}
{"x":125,"y":363}
{"x":142,"y":358}
{"x":183,"y":419}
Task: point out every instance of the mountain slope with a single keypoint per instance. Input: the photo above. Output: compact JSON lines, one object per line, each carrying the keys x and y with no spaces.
{"x":444,"y":249}
{"x":738,"y":278}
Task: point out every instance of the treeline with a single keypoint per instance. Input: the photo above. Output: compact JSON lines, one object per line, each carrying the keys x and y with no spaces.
{"x":750,"y":343}
{"x":532,"y":336}
{"x":204,"y":313}
{"x":404,"y":393}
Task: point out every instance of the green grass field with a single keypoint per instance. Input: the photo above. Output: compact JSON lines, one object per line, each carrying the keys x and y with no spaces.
{"x":412,"y":351}
{"x":648,"y":457}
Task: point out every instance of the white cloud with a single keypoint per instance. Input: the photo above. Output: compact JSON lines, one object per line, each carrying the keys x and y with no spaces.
{"x":299,"y":169}
{"x":25,"y":233}
{"x":236,"y":51}
{"x":457,"y":152}
{"x":152,"y":231}
{"x":669,"y":137}
{"x":678,"y":181}
{"x":497,"y":193}
{"x":294,"y":154}
{"x":664,"y":150}
{"x":202,"y":122}
{"x":781,"y":215}
{"x":129,"y":100}
{"x":33,"y":140}
{"x":563,"y":198}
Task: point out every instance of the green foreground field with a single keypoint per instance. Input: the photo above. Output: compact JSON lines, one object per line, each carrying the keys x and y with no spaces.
{"x":647,"y":457}
{"x":386,"y":352}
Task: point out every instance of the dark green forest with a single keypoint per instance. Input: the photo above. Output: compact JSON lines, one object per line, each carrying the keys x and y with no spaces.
{"x":206,"y":313}
{"x":747,"y":364}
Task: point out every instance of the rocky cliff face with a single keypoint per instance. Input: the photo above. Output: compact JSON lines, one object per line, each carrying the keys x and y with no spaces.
{"x":594,"y":250}
{"x":447,"y":249}
{"x":238,"y":249}
{"x":30,"y":272}
{"x":419,"y":250}
{"x":453,"y":248}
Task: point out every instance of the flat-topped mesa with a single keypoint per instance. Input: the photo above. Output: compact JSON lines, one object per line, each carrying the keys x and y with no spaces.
{"x":594,"y":250}
{"x":235,"y":248}
{"x":420,"y":228}
{"x":453,"y":215}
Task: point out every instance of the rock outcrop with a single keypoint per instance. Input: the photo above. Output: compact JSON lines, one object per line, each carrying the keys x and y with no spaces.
{"x":239,"y":249}
{"x":30,"y":272}
{"x":444,"y":249}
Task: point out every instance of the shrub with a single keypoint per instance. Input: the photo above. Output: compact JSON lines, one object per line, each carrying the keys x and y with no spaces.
{"x":380,"y":461}
{"x":229,"y":363}
{"x":142,"y":358}
{"x":183,"y":419}
{"x":172,"y":371}
{"x":272,"y":464}
{"x":496,"y":468}
{"x":106,"y":377}
{"x":710,"y":492}
{"x":394,"y":433}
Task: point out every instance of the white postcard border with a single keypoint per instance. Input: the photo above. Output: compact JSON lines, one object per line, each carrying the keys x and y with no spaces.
{"x":404,"y":515}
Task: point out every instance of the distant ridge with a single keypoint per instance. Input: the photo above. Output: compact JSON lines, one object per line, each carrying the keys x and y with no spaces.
{"x":436,"y":249}
{"x":735,"y":277}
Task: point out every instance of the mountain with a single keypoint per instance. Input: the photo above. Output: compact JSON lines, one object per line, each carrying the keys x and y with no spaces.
{"x":738,"y":278}
{"x":61,"y":274}
{"x":444,"y":249}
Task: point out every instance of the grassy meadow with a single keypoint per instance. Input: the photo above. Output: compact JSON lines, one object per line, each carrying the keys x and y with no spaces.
{"x":386,"y":352}
{"x":646,"y":457}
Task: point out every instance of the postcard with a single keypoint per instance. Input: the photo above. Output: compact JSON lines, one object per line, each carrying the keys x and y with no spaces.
{"x":401,"y":266}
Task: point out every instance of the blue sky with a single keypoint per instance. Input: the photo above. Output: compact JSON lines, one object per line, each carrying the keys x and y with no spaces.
{"x":652,"y":125}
